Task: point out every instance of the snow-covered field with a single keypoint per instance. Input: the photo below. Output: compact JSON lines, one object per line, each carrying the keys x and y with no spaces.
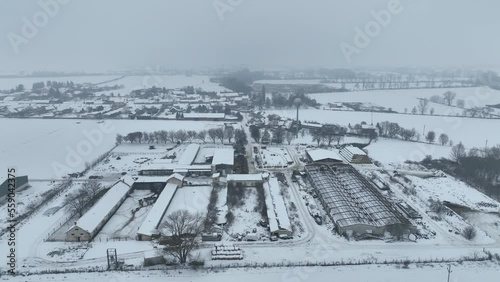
{"x":399,"y":100}
{"x":472,"y":132}
{"x":9,"y":83}
{"x":131,"y":83}
{"x":45,"y":149}
{"x":483,"y":271}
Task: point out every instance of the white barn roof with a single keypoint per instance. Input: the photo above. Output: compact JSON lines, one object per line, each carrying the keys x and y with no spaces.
{"x":223,"y":156}
{"x":189,"y":154}
{"x":355,"y":150}
{"x":275,"y":200}
{"x":150,"y":224}
{"x":322,"y":154}
{"x":93,"y":217}
{"x":245,"y":177}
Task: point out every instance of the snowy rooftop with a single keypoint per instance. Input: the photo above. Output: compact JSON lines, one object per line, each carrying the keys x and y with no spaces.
{"x":321,"y":154}
{"x":175,"y":167}
{"x":355,"y":150}
{"x":156,"y":213}
{"x":205,"y":115}
{"x":93,"y":217}
{"x":223,"y":156}
{"x":272,"y":188}
{"x":189,"y":154}
{"x":245,"y":177}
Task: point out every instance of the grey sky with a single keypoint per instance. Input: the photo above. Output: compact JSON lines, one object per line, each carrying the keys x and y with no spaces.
{"x":98,"y":35}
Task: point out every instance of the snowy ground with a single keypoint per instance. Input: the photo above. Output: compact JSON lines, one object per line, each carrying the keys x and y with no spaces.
{"x":9,"y":83}
{"x":131,"y":83}
{"x":472,"y":132}
{"x":122,"y":224}
{"x":482,"y":271}
{"x":39,"y":147}
{"x":192,"y":198}
{"x":399,"y":100}
{"x":245,"y":218}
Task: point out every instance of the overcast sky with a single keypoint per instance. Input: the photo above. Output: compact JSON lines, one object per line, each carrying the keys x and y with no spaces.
{"x":99,"y":35}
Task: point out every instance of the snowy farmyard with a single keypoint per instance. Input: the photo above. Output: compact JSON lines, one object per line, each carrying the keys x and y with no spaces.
{"x":249,"y":140}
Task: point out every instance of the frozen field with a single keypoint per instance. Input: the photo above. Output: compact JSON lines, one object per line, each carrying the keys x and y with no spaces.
{"x":38,"y":146}
{"x":472,"y":132}
{"x":486,"y":272}
{"x":9,"y":83}
{"x":398,"y":100}
{"x":131,"y":83}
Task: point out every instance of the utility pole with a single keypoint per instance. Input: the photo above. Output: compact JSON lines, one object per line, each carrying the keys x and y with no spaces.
{"x":449,"y":272}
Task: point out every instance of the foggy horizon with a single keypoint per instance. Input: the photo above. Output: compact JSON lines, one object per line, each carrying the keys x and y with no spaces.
{"x":96,"y":36}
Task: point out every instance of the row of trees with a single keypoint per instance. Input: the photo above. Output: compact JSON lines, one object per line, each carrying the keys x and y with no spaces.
{"x":228,"y":133}
{"x":276,"y":135}
{"x":78,"y":201}
{"x":328,"y":133}
{"x":394,"y":130}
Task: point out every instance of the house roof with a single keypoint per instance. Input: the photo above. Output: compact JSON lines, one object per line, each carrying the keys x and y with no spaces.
{"x":223,"y":156}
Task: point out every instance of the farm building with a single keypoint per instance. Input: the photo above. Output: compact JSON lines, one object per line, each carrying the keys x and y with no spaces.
{"x":247,"y":180}
{"x":355,"y":206}
{"x":148,"y":229}
{"x":205,"y":116}
{"x":324,"y":156}
{"x":157,"y":183}
{"x":94,"y":219}
{"x":189,"y":154}
{"x":223,"y":161}
{"x":279,"y":223}
{"x":21,"y":184}
{"x":355,"y":155}
{"x":159,"y":169}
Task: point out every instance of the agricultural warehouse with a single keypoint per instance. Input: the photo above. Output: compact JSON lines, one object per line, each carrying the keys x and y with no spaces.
{"x":354,"y":204}
{"x":149,"y":227}
{"x":94,"y":219}
{"x":324,"y":156}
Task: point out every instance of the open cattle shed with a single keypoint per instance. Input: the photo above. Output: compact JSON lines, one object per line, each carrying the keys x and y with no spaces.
{"x":355,"y":155}
{"x":324,"y":156}
{"x":94,"y":219}
{"x":355,"y":206}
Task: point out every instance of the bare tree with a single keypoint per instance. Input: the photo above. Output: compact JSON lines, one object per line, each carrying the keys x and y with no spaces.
{"x":181,"y":135}
{"x":92,"y":187}
{"x":443,"y":139}
{"x":191,"y":135}
{"x":423,"y":106}
{"x":458,"y":152}
{"x":181,"y":229}
{"x":219,"y":134}
{"x":202,"y":135}
{"x":469,"y":233}
{"x":77,"y":201}
{"x":449,"y":96}
{"x":212,"y":134}
{"x":229,"y":133}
